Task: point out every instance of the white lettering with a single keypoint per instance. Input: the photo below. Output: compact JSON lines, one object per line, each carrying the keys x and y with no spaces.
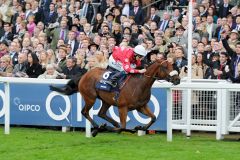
{"x":28,"y":107}
{"x":106,"y":75}
{"x":64,"y":113}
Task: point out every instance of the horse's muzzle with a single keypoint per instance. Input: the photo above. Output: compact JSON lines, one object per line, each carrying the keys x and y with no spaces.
{"x":175,"y":80}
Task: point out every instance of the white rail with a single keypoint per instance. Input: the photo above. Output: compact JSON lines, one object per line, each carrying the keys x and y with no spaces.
{"x":7,"y":80}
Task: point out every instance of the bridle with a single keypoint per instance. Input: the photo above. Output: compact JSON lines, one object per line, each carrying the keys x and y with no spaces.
{"x":154,"y":77}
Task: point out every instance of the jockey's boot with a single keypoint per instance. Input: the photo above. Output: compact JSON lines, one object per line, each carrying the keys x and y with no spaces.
{"x":113,"y":80}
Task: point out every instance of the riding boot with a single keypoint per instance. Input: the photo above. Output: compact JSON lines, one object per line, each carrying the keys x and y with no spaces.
{"x":113,"y":80}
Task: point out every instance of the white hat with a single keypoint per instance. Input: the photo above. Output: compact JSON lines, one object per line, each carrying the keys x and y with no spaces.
{"x":140,"y":50}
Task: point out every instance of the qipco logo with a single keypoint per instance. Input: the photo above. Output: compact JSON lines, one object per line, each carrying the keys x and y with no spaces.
{"x":64,"y":114}
{"x":26,"y":107}
{"x":2,"y":109}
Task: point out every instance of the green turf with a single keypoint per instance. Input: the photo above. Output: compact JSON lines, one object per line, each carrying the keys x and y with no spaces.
{"x":34,"y":144}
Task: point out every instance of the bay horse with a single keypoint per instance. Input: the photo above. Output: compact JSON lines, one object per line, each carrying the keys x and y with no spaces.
{"x":135,"y":94}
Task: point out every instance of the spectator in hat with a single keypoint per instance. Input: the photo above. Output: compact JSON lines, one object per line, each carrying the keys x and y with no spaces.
{"x":233,"y":39}
{"x":93,"y":47}
{"x":151,"y":56}
{"x":110,"y":18}
{"x":179,"y":38}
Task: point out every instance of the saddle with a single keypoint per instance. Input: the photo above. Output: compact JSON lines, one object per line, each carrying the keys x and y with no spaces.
{"x":102,"y":85}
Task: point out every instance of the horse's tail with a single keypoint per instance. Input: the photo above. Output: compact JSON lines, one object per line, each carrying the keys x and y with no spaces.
{"x":70,"y":88}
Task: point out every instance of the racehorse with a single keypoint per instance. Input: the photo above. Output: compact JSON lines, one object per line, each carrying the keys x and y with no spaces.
{"x":135,"y":94}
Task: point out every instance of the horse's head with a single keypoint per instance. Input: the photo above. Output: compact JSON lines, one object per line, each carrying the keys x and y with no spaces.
{"x":164,"y":71}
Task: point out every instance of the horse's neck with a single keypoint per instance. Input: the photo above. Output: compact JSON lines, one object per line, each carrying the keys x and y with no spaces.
{"x":150,"y":74}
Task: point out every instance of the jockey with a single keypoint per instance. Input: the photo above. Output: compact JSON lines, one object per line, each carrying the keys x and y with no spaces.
{"x":125,"y":60}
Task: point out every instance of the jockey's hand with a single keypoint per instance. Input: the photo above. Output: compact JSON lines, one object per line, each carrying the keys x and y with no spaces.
{"x":142,"y":71}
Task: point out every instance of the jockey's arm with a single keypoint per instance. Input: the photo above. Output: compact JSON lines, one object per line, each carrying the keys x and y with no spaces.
{"x":127,"y":67}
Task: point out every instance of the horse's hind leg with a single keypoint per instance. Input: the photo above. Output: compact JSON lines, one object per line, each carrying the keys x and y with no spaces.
{"x":146,"y":111}
{"x":103,"y":114}
{"x":89,"y":102}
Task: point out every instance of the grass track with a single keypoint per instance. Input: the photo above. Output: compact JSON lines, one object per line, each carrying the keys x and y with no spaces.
{"x":42,"y":144}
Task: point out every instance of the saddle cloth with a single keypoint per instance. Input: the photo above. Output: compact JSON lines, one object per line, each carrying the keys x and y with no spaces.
{"x":102,"y":85}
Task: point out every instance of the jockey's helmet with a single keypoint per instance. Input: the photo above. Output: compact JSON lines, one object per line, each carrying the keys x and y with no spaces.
{"x":140,"y":50}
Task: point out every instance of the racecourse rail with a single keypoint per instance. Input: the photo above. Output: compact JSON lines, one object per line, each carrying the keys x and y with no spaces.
{"x":223,"y":113}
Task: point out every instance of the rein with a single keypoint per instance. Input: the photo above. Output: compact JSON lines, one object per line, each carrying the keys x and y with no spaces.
{"x":154,"y":77}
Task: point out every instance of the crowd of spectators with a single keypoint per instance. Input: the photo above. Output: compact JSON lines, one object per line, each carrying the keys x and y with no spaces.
{"x":66,"y":38}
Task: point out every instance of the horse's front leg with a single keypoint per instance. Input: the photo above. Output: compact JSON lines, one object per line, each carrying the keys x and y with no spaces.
{"x":123,"y":110}
{"x":103,"y":114}
{"x":123,"y":117}
{"x":146,"y":111}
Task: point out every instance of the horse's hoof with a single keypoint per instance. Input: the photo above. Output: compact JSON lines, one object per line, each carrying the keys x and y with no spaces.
{"x":94,"y":132}
{"x":138,"y":128}
{"x":117,"y":130}
{"x":103,"y":127}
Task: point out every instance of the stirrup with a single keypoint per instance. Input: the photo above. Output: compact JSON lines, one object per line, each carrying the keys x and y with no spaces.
{"x":113,"y":84}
